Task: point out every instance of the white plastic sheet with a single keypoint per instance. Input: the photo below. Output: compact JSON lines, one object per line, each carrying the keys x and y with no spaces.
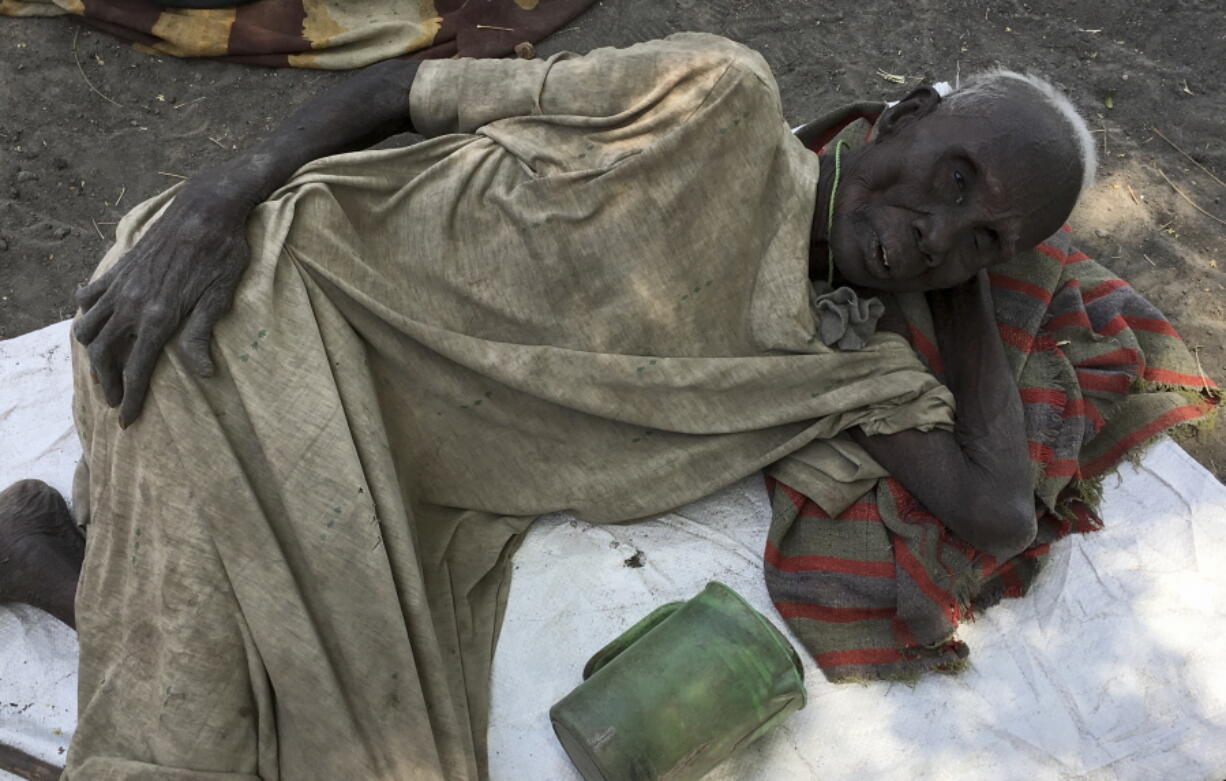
{"x":1113,"y":666}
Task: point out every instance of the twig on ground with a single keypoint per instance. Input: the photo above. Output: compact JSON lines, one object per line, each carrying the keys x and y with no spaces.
{"x":1151,"y":260}
{"x":1186,"y":198}
{"x":1134,"y":195}
{"x":495,"y":27}
{"x":1203,"y":377}
{"x":81,"y":70}
{"x":167,"y":173}
{"x":178,"y":106}
{"x":122,"y":191}
{"x":1190,"y":157}
{"x":95,"y":222}
{"x":215,"y":141}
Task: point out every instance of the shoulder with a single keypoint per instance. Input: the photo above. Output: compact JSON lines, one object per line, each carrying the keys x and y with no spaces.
{"x":708,"y":50}
{"x":727,"y":66}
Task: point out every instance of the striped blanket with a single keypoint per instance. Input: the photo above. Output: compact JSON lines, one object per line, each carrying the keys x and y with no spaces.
{"x":878,"y":590}
{"x":332,"y":34}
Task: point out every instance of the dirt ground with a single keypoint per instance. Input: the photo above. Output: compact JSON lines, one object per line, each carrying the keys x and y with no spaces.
{"x":90,"y":127}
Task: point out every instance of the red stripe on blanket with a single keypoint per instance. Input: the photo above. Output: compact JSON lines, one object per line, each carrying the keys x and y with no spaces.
{"x":1086,"y":408}
{"x":870,"y":569}
{"x":1040,"y":453}
{"x":863,"y":510}
{"x":1124,"y":356}
{"x":1052,"y":396}
{"x":1154,"y":374}
{"x":1151,"y":324}
{"x":796,"y":497}
{"x":1105,"y":383}
{"x":1020,"y":286}
{"x":1009,"y":579}
{"x":834,"y":615}
{"x":1061,"y":467}
{"x":1052,"y":253}
{"x":1052,"y":466}
{"x":909,"y":564}
{"x":1161,"y":423}
{"x":1037,"y":551}
{"x":903,"y":499}
{"x":1016,"y":337}
{"x":927,"y":349}
{"x":1076,"y":318}
{"x":1102,"y":289}
{"x":858,"y":656}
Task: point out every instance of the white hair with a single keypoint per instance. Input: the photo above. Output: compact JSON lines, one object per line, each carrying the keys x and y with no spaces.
{"x":995,"y":84}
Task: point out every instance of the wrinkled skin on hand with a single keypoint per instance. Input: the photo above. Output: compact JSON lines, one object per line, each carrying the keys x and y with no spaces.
{"x":182,"y":274}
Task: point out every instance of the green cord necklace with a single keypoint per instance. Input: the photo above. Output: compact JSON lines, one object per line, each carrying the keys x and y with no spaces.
{"x":834,"y":188}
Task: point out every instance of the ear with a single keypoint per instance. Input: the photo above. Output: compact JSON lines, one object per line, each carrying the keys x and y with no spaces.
{"x":920,"y":103}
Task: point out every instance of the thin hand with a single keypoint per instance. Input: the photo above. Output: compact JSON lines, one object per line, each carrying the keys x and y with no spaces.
{"x":185,"y":269}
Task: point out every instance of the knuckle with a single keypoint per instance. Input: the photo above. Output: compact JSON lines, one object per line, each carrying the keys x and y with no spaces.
{"x":133,"y":378}
{"x":127,"y":299}
{"x":157,"y":313}
{"x":161,"y":317}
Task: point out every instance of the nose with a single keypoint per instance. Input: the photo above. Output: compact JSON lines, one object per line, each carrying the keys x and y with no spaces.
{"x":934,"y":238}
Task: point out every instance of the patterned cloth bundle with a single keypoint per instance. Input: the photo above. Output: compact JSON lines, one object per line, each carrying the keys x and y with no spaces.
{"x":330,"y":34}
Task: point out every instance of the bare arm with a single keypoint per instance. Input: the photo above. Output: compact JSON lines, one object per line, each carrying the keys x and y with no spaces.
{"x":355,"y":114}
{"x":976,"y":479}
{"x":184,"y":271}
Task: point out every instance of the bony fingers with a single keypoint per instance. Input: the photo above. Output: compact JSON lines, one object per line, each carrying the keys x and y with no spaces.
{"x":102,"y":358}
{"x":109,"y":379}
{"x":90,"y":324}
{"x":136,"y":378}
{"x":88,"y":294}
{"x":195,"y":352}
{"x":196,"y":337}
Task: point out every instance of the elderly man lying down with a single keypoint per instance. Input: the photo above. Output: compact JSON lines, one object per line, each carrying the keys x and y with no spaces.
{"x":589,"y":290}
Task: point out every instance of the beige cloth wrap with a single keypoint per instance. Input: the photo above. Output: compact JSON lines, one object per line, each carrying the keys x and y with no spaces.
{"x":590,"y":296}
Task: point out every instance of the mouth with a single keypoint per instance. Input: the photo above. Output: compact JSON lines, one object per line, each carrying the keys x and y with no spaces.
{"x":879,"y":258}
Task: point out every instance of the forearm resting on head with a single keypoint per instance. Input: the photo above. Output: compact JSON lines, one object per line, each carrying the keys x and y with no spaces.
{"x":976,"y":479}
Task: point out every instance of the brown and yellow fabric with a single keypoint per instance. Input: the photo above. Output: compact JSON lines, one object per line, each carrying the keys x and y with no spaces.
{"x":330,"y":34}
{"x":296,"y":569}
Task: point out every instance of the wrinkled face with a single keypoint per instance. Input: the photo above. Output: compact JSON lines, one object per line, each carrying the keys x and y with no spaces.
{"x":943,"y":192}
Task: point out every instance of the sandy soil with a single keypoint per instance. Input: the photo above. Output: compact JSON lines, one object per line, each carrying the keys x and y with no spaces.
{"x":89,"y":127}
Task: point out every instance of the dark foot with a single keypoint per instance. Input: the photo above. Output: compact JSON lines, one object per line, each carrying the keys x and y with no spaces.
{"x":41,"y":549}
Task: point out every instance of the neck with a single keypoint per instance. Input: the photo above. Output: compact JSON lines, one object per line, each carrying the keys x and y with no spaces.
{"x":819,"y":235}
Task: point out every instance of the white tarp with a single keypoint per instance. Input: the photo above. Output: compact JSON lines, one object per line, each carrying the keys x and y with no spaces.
{"x":1113,"y":666}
